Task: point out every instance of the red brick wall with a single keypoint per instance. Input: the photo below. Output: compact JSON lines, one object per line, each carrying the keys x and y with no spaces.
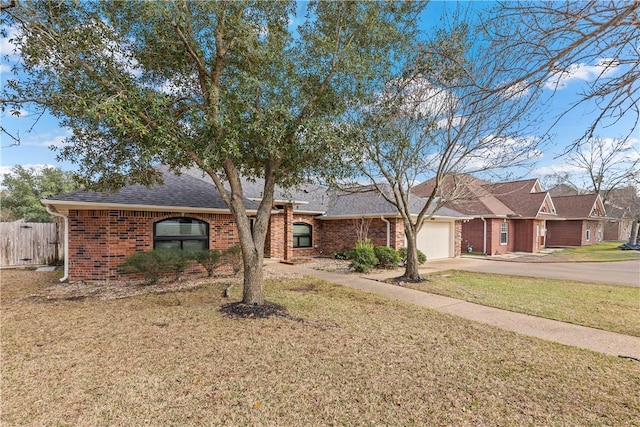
{"x":573,"y":233}
{"x":274,"y":243}
{"x":472,"y":235}
{"x":100,"y":240}
{"x":525,"y":236}
{"x":521,"y":235}
{"x":341,"y":235}
{"x":564,"y":233}
{"x":617,"y":230}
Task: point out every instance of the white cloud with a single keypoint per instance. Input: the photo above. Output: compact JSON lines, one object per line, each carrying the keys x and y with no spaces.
{"x":4,"y":170}
{"x":46,"y":139}
{"x":562,"y":78}
{"x":7,"y":47}
{"x":15,"y":113}
{"x":517,"y":90}
{"x":560,"y":168}
{"x":623,"y":155}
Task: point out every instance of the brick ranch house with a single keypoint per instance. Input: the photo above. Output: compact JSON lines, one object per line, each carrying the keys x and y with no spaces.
{"x":507,"y":217}
{"x":583,"y":221}
{"x":519,"y":216}
{"x":186,"y":212}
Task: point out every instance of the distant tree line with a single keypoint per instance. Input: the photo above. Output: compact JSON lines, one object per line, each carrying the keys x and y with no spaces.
{"x":23,"y":188}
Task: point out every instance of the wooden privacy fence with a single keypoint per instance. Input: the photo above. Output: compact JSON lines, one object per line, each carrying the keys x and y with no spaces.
{"x":25,"y":243}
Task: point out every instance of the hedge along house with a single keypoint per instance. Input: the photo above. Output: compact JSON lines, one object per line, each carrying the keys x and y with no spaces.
{"x":583,"y":220}
{"x":506,"y":217}
{"x":362,"y":213}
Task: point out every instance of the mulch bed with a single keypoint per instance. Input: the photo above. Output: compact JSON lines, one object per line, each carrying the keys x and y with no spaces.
{"x":247,"y":311}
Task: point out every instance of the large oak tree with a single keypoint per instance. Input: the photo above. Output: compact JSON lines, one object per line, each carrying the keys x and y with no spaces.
{"x":232,"y":88}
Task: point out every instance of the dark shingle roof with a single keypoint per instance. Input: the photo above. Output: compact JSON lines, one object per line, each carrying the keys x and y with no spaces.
{"x":176,"y":191}
{"x":367,"y":202}
{"x":314,"y":195}
{"x":581,"y":206}
{"x":474,"y":196}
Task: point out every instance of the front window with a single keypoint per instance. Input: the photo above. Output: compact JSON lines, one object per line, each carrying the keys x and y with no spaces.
{"x":588,"y":234}
{"x":301,"y":235}
{"x":599,"y":232}
{"x":504,"y":233}
{"x":181,"y":233}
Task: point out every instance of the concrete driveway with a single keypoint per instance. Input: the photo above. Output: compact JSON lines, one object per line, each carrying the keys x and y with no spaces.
{"x":625,"y":273}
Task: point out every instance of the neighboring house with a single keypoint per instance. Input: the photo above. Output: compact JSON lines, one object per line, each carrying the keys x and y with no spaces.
{"x":619,"y":224}
{"x":583,"y":218}
{"x":507,"y":217}
{"x":187,"y":212}
{"x":618,"y":208}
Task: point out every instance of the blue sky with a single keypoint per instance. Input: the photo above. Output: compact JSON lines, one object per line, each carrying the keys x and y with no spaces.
{"x":39,"y":133}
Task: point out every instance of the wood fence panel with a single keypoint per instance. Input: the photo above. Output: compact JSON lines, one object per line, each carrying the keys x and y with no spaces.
{"x":26,"y":243}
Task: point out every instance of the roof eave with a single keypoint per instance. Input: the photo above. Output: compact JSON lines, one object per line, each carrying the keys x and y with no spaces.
{"x":64,"y":206}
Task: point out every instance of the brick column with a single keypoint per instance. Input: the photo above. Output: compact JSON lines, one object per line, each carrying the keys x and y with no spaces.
{"x":288,"y":232}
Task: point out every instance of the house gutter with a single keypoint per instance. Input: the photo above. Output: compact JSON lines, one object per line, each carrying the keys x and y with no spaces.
{"x":66,"y":241}
{"x":388,"y":230}
{"x":484,"y":235}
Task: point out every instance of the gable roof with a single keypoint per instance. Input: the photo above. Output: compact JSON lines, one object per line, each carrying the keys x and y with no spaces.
{"x":177,"y":192}
{"x":563,"y":190}
{"x":524,"y":198}
{"x":583,"y":206}
{"x":477,"y":197}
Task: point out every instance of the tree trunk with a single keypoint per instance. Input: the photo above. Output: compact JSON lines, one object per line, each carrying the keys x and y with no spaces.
{"x":253,"y":288}
{"x":633,"y":237}
{"x":411,"y":269}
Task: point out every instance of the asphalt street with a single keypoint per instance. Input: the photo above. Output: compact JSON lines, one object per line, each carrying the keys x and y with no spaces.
{"x":625,"y":273}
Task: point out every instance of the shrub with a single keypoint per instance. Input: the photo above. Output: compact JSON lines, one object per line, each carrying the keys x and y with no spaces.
{"x":175,"y":260}
{"x":210,"y":259}
{"x":156,"y":263}
{"x":147,"y":263}
{"x":362,"y":256}
{"x":233,"y":256}
{"x":339,"y":255}
{"x":422,"y":258}
{"x":387,"y":257}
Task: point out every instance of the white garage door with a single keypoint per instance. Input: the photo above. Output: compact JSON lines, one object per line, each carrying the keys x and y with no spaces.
{"x":434,"y":239}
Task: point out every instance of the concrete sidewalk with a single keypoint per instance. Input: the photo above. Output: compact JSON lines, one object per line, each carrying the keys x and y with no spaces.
{"x":610,"y":343}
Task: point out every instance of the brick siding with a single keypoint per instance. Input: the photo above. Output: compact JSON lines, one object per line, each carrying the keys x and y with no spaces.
{"x":100,"y":240}
{"x":521,"y":235}
{"x":341,"y":235}
{"x":574,"y":233}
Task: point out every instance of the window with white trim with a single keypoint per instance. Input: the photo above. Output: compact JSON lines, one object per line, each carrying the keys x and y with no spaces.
{"x":599,"y":235}
{"x":588,"y":232}
{"x":504,"y":233}
{"x":302,"y":235}
{"x":188,"y":234}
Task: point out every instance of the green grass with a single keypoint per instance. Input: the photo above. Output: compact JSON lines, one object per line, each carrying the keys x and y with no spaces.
{"x":612,"y":308}
{"x":606,"y":251}
{"x":344,"y":358}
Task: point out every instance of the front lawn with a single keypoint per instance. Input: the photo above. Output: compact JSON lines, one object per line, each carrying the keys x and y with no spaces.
{"x":341,"y":357}
{"x":612,"y":308}
{"x":599,"y":252}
